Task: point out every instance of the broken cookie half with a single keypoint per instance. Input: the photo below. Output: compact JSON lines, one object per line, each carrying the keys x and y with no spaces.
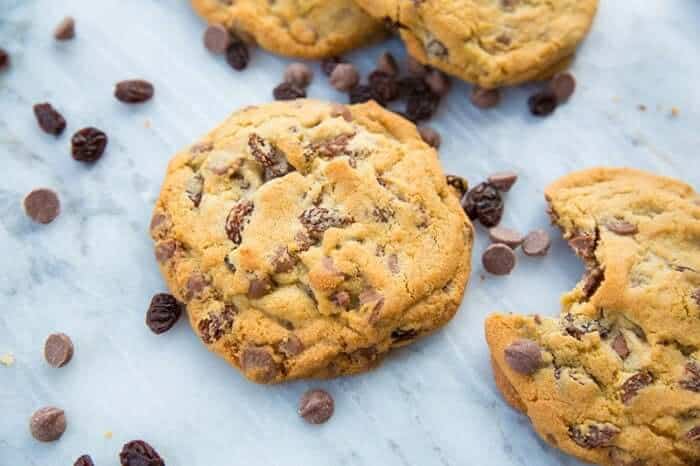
{"x":615,"y":380}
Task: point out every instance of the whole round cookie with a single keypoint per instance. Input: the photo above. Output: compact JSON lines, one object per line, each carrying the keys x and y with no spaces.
{"x":615,"y":379}
{"x":491,"y":43}
{"x":307,"y":239}
{"x":309,"y":29}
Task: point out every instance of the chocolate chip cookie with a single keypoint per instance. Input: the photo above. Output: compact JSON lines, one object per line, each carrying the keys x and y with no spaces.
{"x":615,"y":380}
{"x":309,"y":29}
{"x":307,"y":239}
{"x":491,"y":43}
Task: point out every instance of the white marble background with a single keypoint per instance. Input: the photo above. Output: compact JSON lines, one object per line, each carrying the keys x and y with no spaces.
{"x":91,"y":274}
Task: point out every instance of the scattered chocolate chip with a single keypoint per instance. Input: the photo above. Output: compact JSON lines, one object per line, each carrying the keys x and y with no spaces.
{"x":58,"y":349}
{"x":536,"y":243}
{"x":593,"y":435}
{"x":65,"y":30}
{"x":163,"y":313}
{"x":385,"y":88}
{"x":485,"y":98}
{"x":386,"y":63}
{"x":622,"y":228}
{"x":88,"y":144}
{"x":498,"y":259}
{"x":329,"y":64}
{"x":504,"y":180}
{"x":316,"y":220}
{"x":42,"y":205}
{"x":592,"y":280}
{"x":133,"y":91}
{"x":344,"y":77}
{"x":691,"y":380}
{"x":215,"y":325}
{"x":217,"y":39}
{"x":259,"y":287}
{"x":542,"y":103}
{"x":523,"y":356}
{"x":237,"y":219}
{"x":4,"y":59}
{"x":506,"y":236}
{"x":49,"y":120}
{"x":288,"y":91}
{"x":139,"y":453}
{"x":635,"y":383}
{"x":47,"y":424}
{"x":415,"y":68}
{"x":430,"y":136}
{"x":438,"y":82}
{"x":291,"y":346}
{"x":458,"y":183}
{"x":298,"y":74}
{"x":283,"y":261}
{"x":421,"y":106}
{"x":84,"y":460}
{"x":484,"y":202}
{"x":338,"y":110}
{"x":619,"y":345}
{"x":562,"y":86}
{"x":316,"y":406}
{"x":360,"y":94}
{"x":693,"y":434}
{"x":259,"y":361}
{"x":237,"y":55}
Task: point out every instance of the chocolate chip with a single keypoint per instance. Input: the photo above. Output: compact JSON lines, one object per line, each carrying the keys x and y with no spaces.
{"x":134,"y":91}
{"x":562,"y":86}
{"x":291,"y":346}
{"x":506,"y":236}
{"x":338,"y":110}
{"x":593,"y":435}
{"x":485,"y":98}
{"x":42,"y":205}
{"x":260,"y":363}
{"x":58,"y":349}
{"x":163,"y":313}
{"x":524,"y":356}
{"x":484,"y":202}
{"x":165,"y":250}
{"x":48,"y":424}
{"x":4,"y":59}
{"x":217,"y":39}
{"x":498,"y":259}
{"x":283,"y":261}
{"x":288,"y":91}
{"x":385,"y":88}
{"x":542,"y":103}
{"x":237,"y":220}
{"x":536,"y":243}
{"x":298,"y":74}
{"x":386,"y":63}
{"x":583,"y":245}
{"x":360,"y":94}
{"x":415,"y":68}
{"x":139,"y":453}
{"x":49,"y":120}
{"x":344,"y":76}
{"x":88,"y":144}
{"x":592,"y":280}
{"x":316,"y":406}
{"x":65,"y":30}
{"x":438,"y":82}
{"x":84,"y":460}
{"x":504,"y":180}
{"x":430,"y":136}
{"x":259,"y":287}
{"x":458,"y":183}
{"x":237,"y":55}
{"x":622,"y":228}
{"x":619,"y":345}
{"x":329,"y":64}
{"x":635,"y":383}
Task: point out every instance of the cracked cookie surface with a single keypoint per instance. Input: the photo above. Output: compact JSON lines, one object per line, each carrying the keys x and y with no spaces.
{"x":616,"y":379}
{"x":307,"y":239}
{"x":491,"y":43}
{"x":295,"y":28}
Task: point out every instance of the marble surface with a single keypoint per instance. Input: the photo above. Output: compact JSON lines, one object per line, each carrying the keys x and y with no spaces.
{"x":91,"y":273}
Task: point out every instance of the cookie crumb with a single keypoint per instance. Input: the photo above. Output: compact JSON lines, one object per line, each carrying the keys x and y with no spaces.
{"x":7,"y":359}
{"x":108,"y":435}
{"x":675,"y":112}
{"x":642,"y":108}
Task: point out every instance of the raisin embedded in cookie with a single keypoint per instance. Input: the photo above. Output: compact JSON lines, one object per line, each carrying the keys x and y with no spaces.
{"x":308,"y":242}
{"x":490,"y":43}
{"x":310,"y":29}
{"x":615,"y":380}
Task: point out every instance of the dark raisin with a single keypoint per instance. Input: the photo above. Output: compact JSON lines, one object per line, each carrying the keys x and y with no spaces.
{"x":384,"y":86}
{"x":412,"y":85}
{"x":237,"y":55}
{"x":360,"y":93}
{"x":483,"y":202}
{"x":49,"y":119}
{"x":317,"y":220}
{"x":288,"y":91}
{"x":236,"y":220}
{"x":635,"y":383}
{"x":272,"y":159}
{"x":593,"y":435}
{"x":214,"y":326}
{"x":163,"y":312}
{"x":421,"y":106}
{"x":84,"y":460}
{"x":328,"y":64}
{"x":88,"y":144}
{"x":543,"y":103}
{"x":4,"y":59}
{"x":139,"y":453}
{"x":134,"y":91}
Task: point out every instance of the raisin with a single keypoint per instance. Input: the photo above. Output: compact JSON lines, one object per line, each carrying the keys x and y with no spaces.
{"x":214,"y":326}
{"x":270,"y":157}
{"x":88,"y":144}
{"x":412,"y":86}
{"x":317,"y":220}
{"x":484,"y":202}
{"x":283,"y":261}
{"x":384,"y":86}
{"x":4,"y":59}
{"x":237,"y":55}
{"x":163,"y":312}
{"x":236,"y":220}
{"x":84,"y":460}
{"x":543,"y":103}
{"x":139,"y":453}
{"x":332,"y":147}
{"x":593,"y":435}
{"x":288,"y":91}
{"x":49,"y":119}
{"x":422,"y":106}
{"x":134,"y":91}
{"x":360,"y":94}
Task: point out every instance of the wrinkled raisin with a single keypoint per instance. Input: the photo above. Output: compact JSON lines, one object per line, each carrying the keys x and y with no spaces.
{"x":412,"y":85}
{"x":422,"y":106}
{"x":384,"y":87}
{"x":84,"y":460}
{"x":484,"y":202}
{"x":236,"y":220}
{"x":163,"y":312}
{"x":288,"y":91}
{"x":88,"y":144}
{"x":331,"y":147}
{"x":139,"y":453}
{"x":4,"y":59}
{"x":360,"y":94}
{"x":237,"y":55}
{"x":543,"y":103}
{"x":133,"y":91}
{"x":317,"y":220}
{"x":272,"y":159}
{"x":49,"y":119}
